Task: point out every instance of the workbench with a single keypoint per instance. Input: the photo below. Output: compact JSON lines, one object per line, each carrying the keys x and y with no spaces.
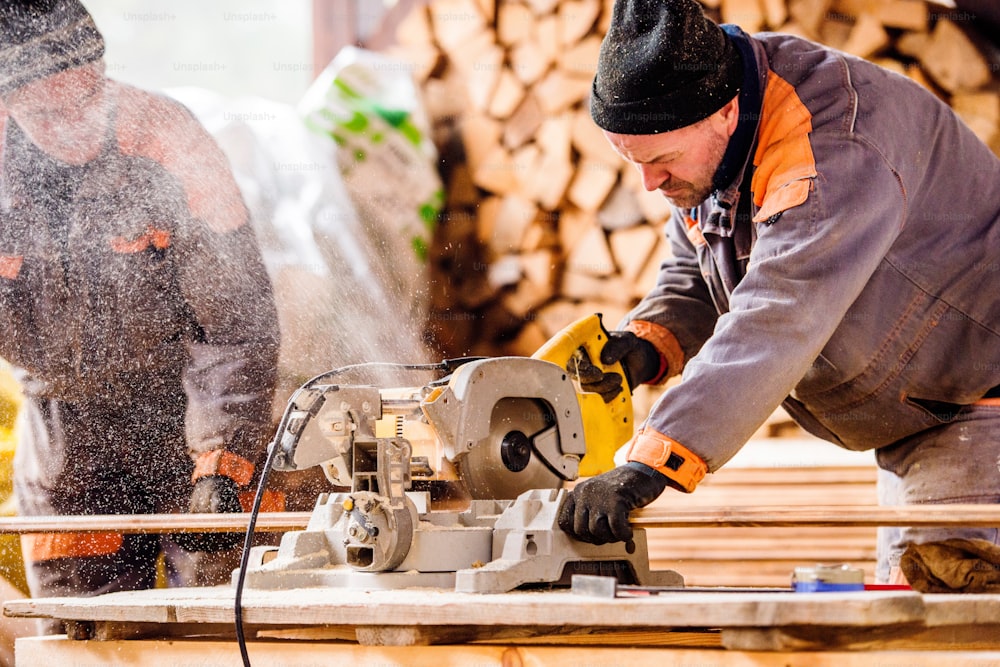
{"x":439,"y":628}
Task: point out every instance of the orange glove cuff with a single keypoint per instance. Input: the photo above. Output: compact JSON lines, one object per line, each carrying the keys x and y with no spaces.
{"x":671,"y":354}
{"x":682,"y":466}
{"x":221,"y":462}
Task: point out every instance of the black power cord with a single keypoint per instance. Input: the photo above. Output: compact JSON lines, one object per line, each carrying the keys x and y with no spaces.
{"x":448,"y":365}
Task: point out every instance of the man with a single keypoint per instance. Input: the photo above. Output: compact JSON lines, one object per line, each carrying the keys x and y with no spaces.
{"x":134,"y":305}
{"x":835,"y":237}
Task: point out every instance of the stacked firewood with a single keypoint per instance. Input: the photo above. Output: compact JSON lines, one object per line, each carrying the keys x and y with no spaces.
{"x":544,"y":223}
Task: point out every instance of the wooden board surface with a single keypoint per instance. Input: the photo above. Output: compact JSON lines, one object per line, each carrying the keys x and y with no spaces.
{"x":425,"y":606}
{"x":46,"y":652}
{"x":742,"y":620}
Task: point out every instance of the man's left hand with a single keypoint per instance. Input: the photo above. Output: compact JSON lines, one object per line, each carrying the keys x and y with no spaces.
{"x":597,"y":509}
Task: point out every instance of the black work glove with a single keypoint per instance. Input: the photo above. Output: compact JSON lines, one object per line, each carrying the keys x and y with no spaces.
{"x":640,"y":358}
{"x":597,"y":510}
{"x":213,"y":494}
{"x":592,"y":378}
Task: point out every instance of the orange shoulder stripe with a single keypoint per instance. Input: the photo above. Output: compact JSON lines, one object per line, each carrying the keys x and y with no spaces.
{"x":784,"y":157}
{"x":170,"y":135}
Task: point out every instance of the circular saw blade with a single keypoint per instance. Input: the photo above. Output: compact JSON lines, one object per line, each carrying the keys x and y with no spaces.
{"x":493,"y":469}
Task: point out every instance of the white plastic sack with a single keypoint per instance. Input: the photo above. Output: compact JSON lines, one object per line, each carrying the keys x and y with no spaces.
{"x":366,"y":111}
{"x":338,"y":298}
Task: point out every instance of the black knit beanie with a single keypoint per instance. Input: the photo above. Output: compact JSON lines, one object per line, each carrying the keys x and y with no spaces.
{"x":663,"y":65}
{"x":42,"y":37}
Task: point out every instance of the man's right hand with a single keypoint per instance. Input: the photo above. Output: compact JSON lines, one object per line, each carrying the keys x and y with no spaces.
{"x":639,"y":358}
{"x":597,"y":510}
{"x":212,"y":494}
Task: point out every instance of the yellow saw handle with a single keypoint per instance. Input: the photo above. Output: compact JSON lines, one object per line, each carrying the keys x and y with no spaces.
{"x":606,"y":426}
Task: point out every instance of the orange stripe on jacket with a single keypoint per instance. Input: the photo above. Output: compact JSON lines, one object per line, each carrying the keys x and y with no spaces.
{"x":989,"y":402}
{"x":46,"y":546}
{"x":272,"y":501}
{"x":784,"y":160}
{"x":161,"y":130}
{"x":221,"y":462}
{"x":158,"y":238}
{"x":694,"y":232}
{"x":10,"y":266}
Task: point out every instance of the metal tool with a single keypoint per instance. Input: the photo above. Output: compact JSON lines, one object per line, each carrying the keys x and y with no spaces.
{"x":502,"y":435}
{"x":610,"y":587}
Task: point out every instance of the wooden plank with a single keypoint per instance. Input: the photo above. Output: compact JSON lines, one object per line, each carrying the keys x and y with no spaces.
{"x":153,"y":523}
{"x":923,"y":516}
{"x":57,"y":651}
{"x":424,"y":607}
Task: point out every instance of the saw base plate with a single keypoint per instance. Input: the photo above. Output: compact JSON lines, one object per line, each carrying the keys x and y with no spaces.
{"x":491,"y":547}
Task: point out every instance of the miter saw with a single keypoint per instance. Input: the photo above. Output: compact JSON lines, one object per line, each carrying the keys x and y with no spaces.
{"x":505,"y":432}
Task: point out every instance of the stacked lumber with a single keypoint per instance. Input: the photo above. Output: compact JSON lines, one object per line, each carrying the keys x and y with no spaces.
{"x":544,"y":223}
{"x":766,"y":556}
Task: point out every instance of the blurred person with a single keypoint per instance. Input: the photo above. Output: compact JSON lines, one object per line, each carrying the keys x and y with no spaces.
{"x":135,"y":310}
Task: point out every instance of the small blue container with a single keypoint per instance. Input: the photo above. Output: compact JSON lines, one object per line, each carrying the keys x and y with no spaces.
{"x":828,"y":579}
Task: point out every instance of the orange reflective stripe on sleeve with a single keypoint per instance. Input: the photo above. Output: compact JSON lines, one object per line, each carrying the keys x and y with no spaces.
{"x":665,"y":343}
{"x":46,"y":546}
{"x":273,"y":501}
{"x":221,"y":462}
{"x":669,"y":457}
{"x":175,"y":135}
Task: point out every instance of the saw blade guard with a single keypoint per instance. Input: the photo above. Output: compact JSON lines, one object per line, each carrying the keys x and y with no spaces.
{"x":491,"y":404}
{"x":506,"y":463}
{"x":607,"y":426}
